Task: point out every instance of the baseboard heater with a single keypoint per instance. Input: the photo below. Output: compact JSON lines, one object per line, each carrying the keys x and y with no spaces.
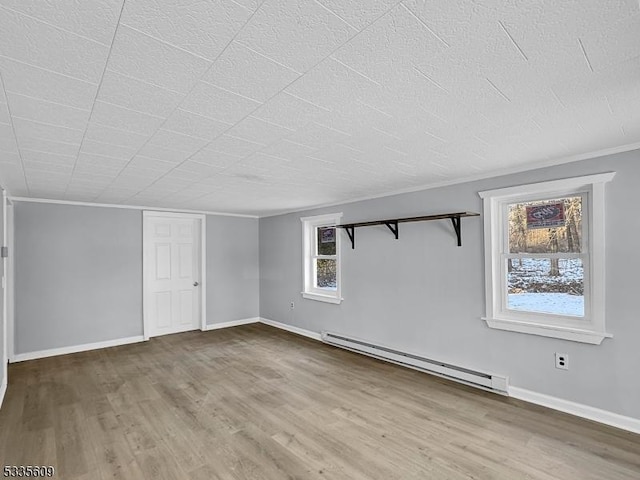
{"x":485,"y":381}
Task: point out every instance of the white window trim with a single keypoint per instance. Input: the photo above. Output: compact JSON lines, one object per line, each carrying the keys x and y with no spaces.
{"x":590,"y":329}
{"x":309,"y":225}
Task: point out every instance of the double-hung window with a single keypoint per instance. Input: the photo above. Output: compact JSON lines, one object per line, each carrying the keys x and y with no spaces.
{"x":321,"y":258}
{"x":544,"y":258}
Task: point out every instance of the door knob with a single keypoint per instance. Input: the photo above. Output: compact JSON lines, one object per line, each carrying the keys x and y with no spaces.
{"x":195,"y":284}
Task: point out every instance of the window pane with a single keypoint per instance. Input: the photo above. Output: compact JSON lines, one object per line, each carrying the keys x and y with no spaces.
{"x":326,"y":274}
{"x":546,"y":286}
{"x":551,"y":226}
{"x":326,"y":240}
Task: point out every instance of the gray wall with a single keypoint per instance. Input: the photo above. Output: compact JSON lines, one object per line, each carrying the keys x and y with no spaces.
{"x":232,"y":269}
{"x":78,"y":275}
{"x":423,"y":293}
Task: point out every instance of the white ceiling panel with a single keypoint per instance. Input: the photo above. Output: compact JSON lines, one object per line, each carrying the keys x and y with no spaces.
{"x":215,"y":158}
{"x":48,"y":146}
{"x":203,"y":28}
{"x":47,"y":112}
{"x":200,"y":169}
{"x":47,"y":187}
{"x":177,"y":141}
{"x":93,"y":159}
{"x":50,"y":179}
{"x":136,"y":179}
{"x":89,"y":183}
{"x":10,"y":159}
{"x":93,"y":168}
{"x":161,"y":189}
{"x":195,"y":125}
{"x":124,"y":119}
{"x":4,"y":113}
{"x":96,"y":19}
{"x":34,"y":42}
{"x":184,"y":174}
{"x":168,"y":185}
{"x":145,"y":58}
{"x":52,"y":158}
{"x":107,"y":149}
{"x":153,"y":163}
{"x":140,"y":175}
{"x":359,"y":13}
{"x":316,"y":135}
{"x":259,"y":131}
{"x":234,"y":146}
{"x":7,"y":139}
{"x":288,"y":150}
{"x":248,"y":73}
{"x":218,"y":104}
{"x":614,"y":44}
{"x":391,"y":46}
{"x":137,"y":95}
{"x":44,"y":131}
{"x":13,"y":173}
{"x":164,"y":154}
{"x":46,"y":85}
{"x":32,"y":166}
{"x":336,"y":153}
{"x":116,"y":136}
{"x":258,"y":107}
{"x":333,"y":84}
{"x":570,"y":18}
{"x":289,"y":111}
{"x":295,"y":33}
{"x":116,"y":194}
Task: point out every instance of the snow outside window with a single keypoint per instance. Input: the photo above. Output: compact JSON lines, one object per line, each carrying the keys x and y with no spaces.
{"x":321,"y":258}
{"x":544,"y":258}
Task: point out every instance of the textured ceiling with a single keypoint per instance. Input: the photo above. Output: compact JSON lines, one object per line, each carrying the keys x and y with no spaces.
{"x":257,"y":107}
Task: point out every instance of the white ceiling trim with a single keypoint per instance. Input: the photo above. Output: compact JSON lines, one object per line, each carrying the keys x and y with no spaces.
{"x":125,"y":207}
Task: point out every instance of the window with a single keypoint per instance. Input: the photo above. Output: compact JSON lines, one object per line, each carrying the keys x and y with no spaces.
{"x":544,"y":258}
{"x":321,"y":251}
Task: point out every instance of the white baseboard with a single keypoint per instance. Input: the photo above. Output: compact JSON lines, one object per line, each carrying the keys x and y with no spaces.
{"x":292,"y":329}
{"x":22,"y":357}
{"x":233,"y":323}
{"x":3,"y":390}
{"x":580,"y":410}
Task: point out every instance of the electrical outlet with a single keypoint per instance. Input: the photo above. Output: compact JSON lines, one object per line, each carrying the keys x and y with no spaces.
{"x":292,"y":305}
{"x":562,"y":361}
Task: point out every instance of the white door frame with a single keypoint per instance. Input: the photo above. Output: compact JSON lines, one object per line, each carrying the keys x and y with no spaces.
{"x":5,"y":320}
{"x":10,"y":279}
{"x":146,"y":326}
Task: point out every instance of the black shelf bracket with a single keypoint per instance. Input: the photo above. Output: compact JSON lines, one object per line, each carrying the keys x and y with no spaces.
{"x":456,"y":226}
{"x":392,"y":224}
{"x":351,"y":231}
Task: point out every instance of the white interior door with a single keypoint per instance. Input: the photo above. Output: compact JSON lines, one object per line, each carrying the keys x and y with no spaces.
{"x":172,"y":269}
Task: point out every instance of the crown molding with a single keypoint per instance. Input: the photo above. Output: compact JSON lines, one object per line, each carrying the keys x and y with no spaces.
{"x":126,"y":207}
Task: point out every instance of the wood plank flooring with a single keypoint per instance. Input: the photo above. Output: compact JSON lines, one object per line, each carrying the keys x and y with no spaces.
{"x":254,"y":402}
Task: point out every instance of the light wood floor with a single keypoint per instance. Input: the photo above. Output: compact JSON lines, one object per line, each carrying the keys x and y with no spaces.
{"x":253,"y":402}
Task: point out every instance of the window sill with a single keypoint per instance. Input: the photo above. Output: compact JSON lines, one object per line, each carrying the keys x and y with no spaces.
{"x":322,"y":298}
{"x":554,"y":331}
